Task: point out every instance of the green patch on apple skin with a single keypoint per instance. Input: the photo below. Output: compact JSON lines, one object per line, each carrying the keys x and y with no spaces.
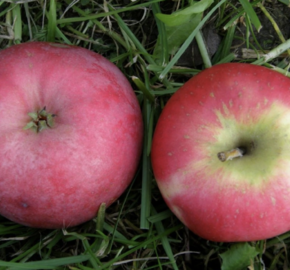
{"x":266,"y":138}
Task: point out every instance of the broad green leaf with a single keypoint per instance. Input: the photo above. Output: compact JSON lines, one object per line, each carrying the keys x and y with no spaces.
{"x":176,"y":35}
{"x":188,"y":40}
{"x":286,"y":2}
{"x":178,"y":26}
{"x":238,"y":257}
{"x":182,"y":16}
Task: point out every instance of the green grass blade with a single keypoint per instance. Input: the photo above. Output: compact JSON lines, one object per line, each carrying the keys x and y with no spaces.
{"x":92,"y":258}
{"x":28,"y":20}
{"x":146,"y":175}
{"x":286,"y":2}
{"x":133,"y":38}
{"x":17,"y":20}
{"x":227,"y":42}
{"x":203,"y":49}
{"x":230,"y":57}
{"x":101,"y":217}
{"x":115,"y":232}
{"x":273,"y":53}
{"x":150,"y":132}
{"x":160,"y":216}
{"x":106,"y":31}
{"x":104,"y":14}
{"x":165,"y":241}
{"x":51,"y":28}
{"x":141,"y":246}
{"x":141,"y":86}
{"x":251,"y":13}
{"x":45,"y":264}
{"x":162,"y":34}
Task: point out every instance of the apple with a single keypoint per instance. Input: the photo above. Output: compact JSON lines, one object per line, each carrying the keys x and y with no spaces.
{"x":70,"y":134}
{"x":221,"y":153}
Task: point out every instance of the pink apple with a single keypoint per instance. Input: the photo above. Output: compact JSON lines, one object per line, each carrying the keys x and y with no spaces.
{"x":70,"y":134}
{"x":234,"y":112}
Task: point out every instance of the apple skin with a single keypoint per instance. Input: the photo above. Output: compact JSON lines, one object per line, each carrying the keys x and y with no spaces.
{"x":224,"y":107}
{"x":58,"y":177}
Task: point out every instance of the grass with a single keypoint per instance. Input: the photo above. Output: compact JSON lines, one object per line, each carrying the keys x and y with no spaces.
{"x":146,"y":40}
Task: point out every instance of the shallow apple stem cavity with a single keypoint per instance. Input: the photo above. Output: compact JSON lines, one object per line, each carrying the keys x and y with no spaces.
{"x":40,"y":120}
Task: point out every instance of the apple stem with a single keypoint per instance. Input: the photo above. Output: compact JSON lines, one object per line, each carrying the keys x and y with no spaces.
{"x":231,"y":154}
{"x":40,"y":120}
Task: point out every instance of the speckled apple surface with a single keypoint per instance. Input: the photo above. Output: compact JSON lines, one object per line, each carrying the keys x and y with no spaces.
{"x":224,"y":107}
{"x":58,"y":177}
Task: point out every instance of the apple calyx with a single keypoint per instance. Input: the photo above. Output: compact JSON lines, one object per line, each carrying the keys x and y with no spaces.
{"x":40,"y":120}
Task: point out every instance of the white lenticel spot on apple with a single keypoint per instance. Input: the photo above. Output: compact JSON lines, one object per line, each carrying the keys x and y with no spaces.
{"x":273,"y":200}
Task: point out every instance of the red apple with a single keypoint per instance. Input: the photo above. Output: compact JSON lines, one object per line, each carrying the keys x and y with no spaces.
{"x":238,"y":112}
{"x":70,"y":134}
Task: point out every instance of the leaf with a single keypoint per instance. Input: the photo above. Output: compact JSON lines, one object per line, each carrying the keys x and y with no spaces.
{"x":182,"y":16}
{"x":286,"y":2}
{"x":176,"y":35}
{"x":251,"y":13}
{"x":178,"y":26}
{"x":238,"y":257}
{"x":188,"y":40}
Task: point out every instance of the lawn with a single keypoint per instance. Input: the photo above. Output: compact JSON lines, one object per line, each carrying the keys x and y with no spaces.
{"x":158,"y":45}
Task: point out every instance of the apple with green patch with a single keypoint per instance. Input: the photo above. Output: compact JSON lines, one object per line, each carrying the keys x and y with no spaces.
{"x":221,"y":153}
{"x":70,"y":134}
